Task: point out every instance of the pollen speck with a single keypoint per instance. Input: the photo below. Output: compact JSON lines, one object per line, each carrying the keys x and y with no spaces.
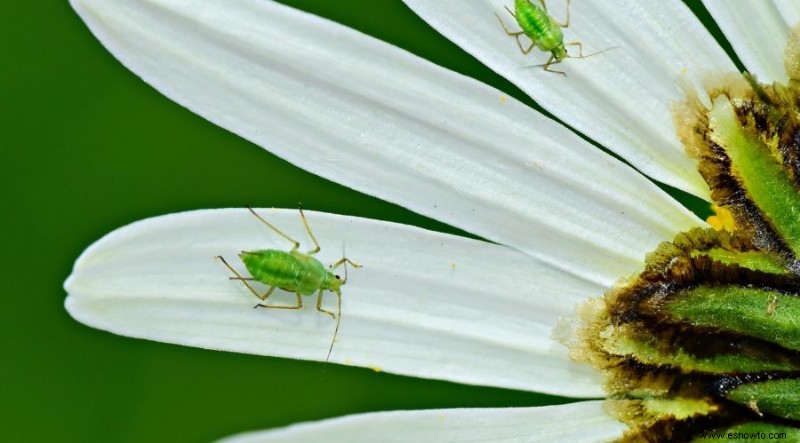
{"x":722,"y":220}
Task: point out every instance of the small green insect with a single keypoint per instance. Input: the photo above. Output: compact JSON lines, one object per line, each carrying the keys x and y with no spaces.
{"x":292,"y":271}
{"x":543,"y":31}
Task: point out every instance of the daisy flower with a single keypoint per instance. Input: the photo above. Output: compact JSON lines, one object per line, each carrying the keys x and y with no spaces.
{"x":562,"y":221}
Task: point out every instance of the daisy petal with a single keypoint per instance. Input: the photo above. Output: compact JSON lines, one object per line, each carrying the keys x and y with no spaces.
{"x":582,"y":422}
{"x":758,"y":32}
{"x":385,"y":122}
{"x":619,"y":98}
{"x":424,"y":304}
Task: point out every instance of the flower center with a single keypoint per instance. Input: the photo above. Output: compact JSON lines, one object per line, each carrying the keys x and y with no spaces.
{"x":704,"y":344}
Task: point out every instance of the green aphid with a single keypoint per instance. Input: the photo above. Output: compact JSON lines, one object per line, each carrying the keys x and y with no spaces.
{"x":543,"y":31}
{"x":292,"y":271}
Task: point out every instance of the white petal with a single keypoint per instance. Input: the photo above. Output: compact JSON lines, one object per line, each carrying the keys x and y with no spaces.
{"x":758,"y":32}
{"x":424,"y":304}
{"x":620,"y":98}
{"x":582,"y":422}
{"x":385,"y":122}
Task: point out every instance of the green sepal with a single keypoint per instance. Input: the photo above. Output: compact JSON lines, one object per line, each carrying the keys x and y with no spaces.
{"x":721,"y":246}
{"x":649,"y":352}
{"x":755,"y":260}
{"x":779,"y":398}
{"x":764,"y":179}
{"x":760,"y":313}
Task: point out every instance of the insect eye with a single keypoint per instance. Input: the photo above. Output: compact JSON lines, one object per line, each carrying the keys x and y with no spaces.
{"x":337,"y":277}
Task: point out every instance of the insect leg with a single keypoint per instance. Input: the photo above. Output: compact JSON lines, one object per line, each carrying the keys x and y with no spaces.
{"x":563,"y":25}
{"x":265,"y":296}
{"x":566,"y":23}
{"x":551,"y":62}
{"x":319,"y":304}
{"x":262,"y":305}
{"x":516,"y":35}
{"x":262,"y":297}
{"x":580,"y":49}
{"x":344,"y":261}
{"x":508,"y":32}
{"x":243,"y":279}
{"x":525,"y":51}
{"x":278,"y":231}
{"x":338,"y":319}
{"x":305,"y":223}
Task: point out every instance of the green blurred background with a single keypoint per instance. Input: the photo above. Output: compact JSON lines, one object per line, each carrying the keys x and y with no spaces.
{"x":88,"y":147}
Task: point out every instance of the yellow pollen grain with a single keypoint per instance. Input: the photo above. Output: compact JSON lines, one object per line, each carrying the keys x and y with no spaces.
{"x":722,"y":220}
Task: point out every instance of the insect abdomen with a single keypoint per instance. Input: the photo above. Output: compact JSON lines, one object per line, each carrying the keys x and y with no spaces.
{"x":313,"y":275}
{"x":538,"y":26}
{"x":279,"y":268}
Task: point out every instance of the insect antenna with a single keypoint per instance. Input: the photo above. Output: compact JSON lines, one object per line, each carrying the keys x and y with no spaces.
{"x":338,"y":307}
{"x":344,"y":255}
{"x":344,"y":261}
{"x":551,"y":62}
{"x":592,"y":54}
{"x":338,"y":320}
